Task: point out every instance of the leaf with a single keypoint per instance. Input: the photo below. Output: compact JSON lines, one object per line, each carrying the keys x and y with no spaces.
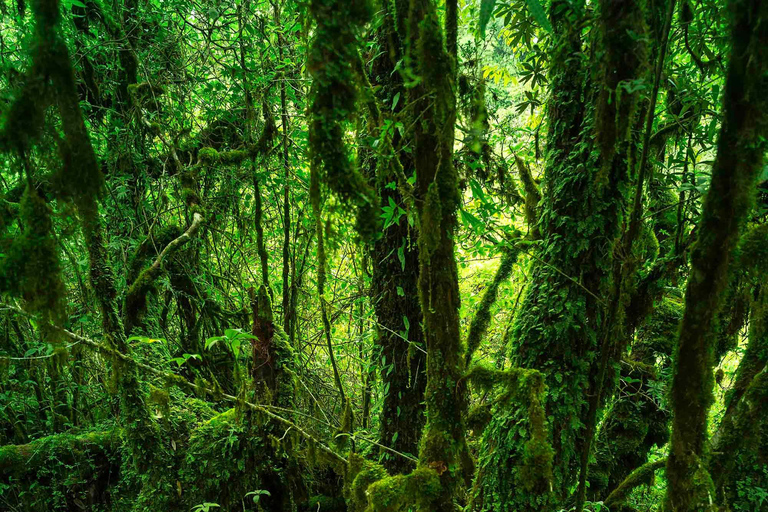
{"x":68,"y":4}
{"x":401,"y":255}
{"x":395,"y":100}
{"x":763,"y":175}
{"x":144,"y":339}
{"x":470,"y":220}
{"x":477,"y":190}
{"x":578,"y":6}
{"x":238,"y":334}
{"x":537,"y":11}
{"x":400,"y":291}
{"x":258,"y":494}
{"x":212,"y":341}
{"x":205,"y":507}
{"x":486,"y":11}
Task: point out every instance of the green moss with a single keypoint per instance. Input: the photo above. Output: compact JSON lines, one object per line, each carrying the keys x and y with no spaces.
{"x":208,"y":156}
{"x":388,"y":494}
{"x":346,"y":428}
{"x":482,"y":318}
{"x":373,"y":490}
{"x":160,"y":398}
{"x":232,"y":157}
{"x":478,"y":418}
{"x":334,"y":94}
{"x":740,"y":153}
{"x":753,"y":250}
{"x":361,"y":473}
{"x":532,"y":198}
{"x":31,"y":268}
{"x":624,"y":59}
{"x":56,"y":470}
{"x":150,"y":247}
{"x":431,"y":218}
{"x":145,"y":89}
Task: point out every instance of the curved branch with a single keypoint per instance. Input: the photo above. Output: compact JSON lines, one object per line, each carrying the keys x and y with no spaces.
{"x":135,"y":299}
{"x":636,"y":478}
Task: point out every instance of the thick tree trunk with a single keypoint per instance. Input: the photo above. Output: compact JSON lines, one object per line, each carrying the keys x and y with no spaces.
{"x":394,"y":285}
{"x":558,"y":323}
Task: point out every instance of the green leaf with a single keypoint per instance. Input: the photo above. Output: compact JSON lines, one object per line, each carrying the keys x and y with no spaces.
{"x":258,"y":494}
{"x":144,"y":339}
{"x":578,"y":6}
{"x":477,"y":190}
{"x":68,"y":4}
{"x":400,"y":291}
{"x":205,"y":507}
{"x":212,"y":341}
{"x":537,"y":11}
{"x":486,"y":11}
{"x":471,"y":221}
{"x":763,"y":175}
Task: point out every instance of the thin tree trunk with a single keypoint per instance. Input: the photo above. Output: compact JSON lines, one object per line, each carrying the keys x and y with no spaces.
{"x":286,"y":179}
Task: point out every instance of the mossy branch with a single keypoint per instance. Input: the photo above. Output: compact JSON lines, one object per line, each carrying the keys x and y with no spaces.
{"x":65,"y":448}
{"x":526,"y":387}
{"x":482,"y":318}
{"x":331,"y":61}
{"x":623,"y":265}
{"x":135,"y":299}
{"x":638,"y":477}
{"x":739,"y":428}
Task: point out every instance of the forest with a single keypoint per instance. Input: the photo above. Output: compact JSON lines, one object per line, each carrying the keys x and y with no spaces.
{"x":384,"y":255}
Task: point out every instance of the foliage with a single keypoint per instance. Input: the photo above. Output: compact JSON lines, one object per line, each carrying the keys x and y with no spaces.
{"x":383,"y":255}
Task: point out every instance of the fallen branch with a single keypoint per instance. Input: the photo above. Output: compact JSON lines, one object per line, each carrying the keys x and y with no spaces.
{"x":65,"y":448}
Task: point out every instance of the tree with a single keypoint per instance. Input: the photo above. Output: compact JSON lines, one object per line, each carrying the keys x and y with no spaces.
{"x":383,"y":255}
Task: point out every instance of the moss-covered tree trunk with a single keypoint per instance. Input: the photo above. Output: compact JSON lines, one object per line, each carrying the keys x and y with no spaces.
{"x":394,"y":292}
{"x":558,"y":323}
{"x":740,"y":153}
{"x":443,"y":446}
